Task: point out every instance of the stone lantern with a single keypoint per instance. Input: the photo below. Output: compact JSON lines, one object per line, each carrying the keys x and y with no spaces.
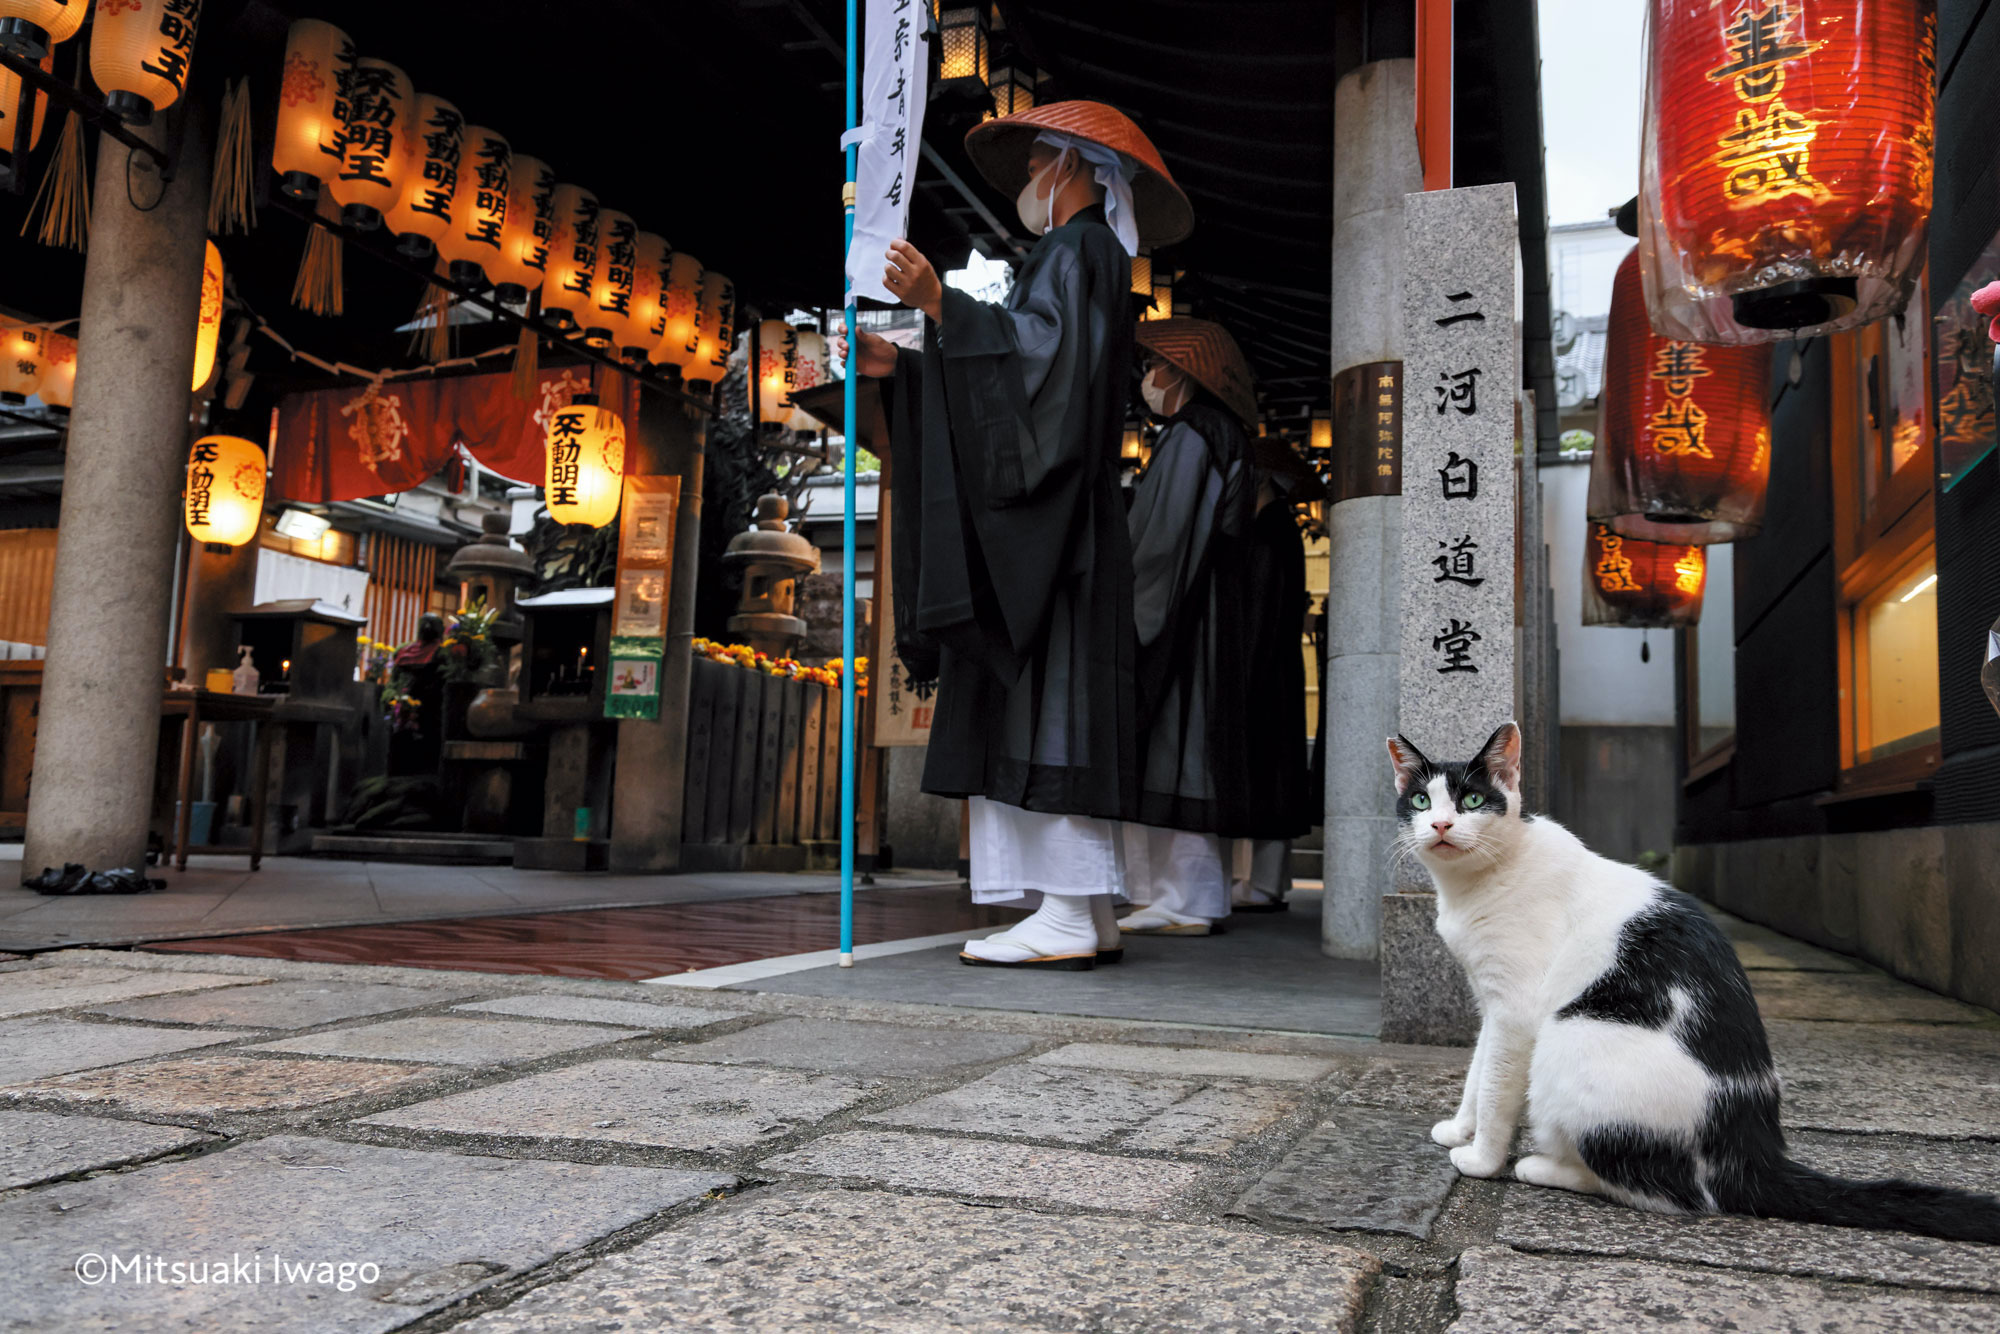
{"x":492,"y":568}
{"x":773,"y":557}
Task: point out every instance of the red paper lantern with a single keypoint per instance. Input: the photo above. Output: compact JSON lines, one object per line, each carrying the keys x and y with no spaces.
{"x":1786,"y":164}
{"x":1642,"y":585}
{"x":1684,"y":440}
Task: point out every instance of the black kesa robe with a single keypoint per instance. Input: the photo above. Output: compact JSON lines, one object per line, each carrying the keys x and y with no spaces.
{"x":1278,"y":800}
{"x":1190,"y":523}
{"x":1013,"y":571}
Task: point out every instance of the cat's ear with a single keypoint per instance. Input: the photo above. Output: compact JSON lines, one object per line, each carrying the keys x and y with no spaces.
{"x":1500,"y":757}
{"x":1407,"y":761}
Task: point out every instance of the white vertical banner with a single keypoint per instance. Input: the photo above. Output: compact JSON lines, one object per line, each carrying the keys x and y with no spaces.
{"x":895,"y":75}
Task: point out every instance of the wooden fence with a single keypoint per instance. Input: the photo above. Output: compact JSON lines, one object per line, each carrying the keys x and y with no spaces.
{"x":763,"y":758}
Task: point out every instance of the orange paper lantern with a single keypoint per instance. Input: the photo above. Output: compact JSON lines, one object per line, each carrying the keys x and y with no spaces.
{"x":58,"y":387}
{"x":208,"y":325}
{"x":139,"y":54}
{"x":586,"y":463}
{"x":777,"y":366}
{"x":1684,"y":437}
{"x":810,"y":372}
{"x":224,"y":503}
{"x":642,"y":331}
{"x":30,"y":28}
{"x":312,"y":106}
{"x":479,"y":208}
{"x":680,"y":312}
{"x":375,"y":158}
{"x":611,"y":286}
{"x":716,"y":338}
{"x":572,"y":262}
{"x":10,"y":106}
{"x":23,"y":355}
{"x":1642,"y":585}
{"x":525,"y":232}
{"x":422,"y":214}
{"x":1786,"y":164}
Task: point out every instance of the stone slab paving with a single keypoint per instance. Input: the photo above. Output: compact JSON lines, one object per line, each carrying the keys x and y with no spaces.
{"x":1366,"y":1168}
{"x":451,"y":1040}
{"x":41,"y":1146}
{"x":298,"y":1004}
{"x":1504,"y":1292}
{"x":223,"y":1085}
{"x":439,"y":1225}
{"x":703,"y":1109}
{"x":1430,"y":1087}
{"x":835,"y":1045}
{"x":67,"y":986}
{"x":1941,"y":1080}
{"x":50,"y":1045}
{"x":990,"y":1170}
{"x":1539,"y":1219}
{"x":1078,"y":1106}
{"x":1189,"y":1062}
{"x":862,"y":1260}
{"x":603,"y":1010}
{"x":1859,"y":998}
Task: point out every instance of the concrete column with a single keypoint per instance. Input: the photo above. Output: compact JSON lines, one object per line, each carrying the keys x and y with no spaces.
{"x":648,"y":793}
{"x":1374,"y":166}
{"x":127,"y":458}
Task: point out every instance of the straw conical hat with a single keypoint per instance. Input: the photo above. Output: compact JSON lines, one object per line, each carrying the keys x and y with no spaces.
{"x":1210,"y":357}
{"x":999,"y":148}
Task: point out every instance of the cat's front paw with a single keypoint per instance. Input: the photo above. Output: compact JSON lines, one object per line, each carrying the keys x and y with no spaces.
{"x":1453,"y":1133}
{"x":1475,"y":1161}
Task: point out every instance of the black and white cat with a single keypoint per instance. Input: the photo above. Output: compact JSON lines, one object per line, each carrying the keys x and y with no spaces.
{"x":1615,"y":1008}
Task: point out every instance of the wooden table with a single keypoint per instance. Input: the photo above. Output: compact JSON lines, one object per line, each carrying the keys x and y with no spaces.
{"x":195,"y":707}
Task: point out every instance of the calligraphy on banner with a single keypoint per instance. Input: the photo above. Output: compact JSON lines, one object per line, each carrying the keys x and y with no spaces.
{"x":1458,"y":544}
{"x":896,"y":70}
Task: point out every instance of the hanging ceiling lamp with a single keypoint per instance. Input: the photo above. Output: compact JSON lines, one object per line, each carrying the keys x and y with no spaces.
{"x":524,"y":234}
{"x":208,"y":326}
{"x":10,"y":106}
{"x":1013,"y":89}
{"x":962,"y":43}
{"x":680,"y":313}
{"x":809,"y":373}
{"x":1786,"y":164}
{"x":1683,"y":448}
{"x":224,"y":502}
{"x":30,"y":29}
{"x":611,"y":286}
{"x":586,"y":463}
{"x":473,"y":243}
{"x":718,"y":329}
{"x":312,"y":100}
{"x":58,"y":386}
{"x":23,"y":355}
{"x":375,"y":144}
{"x":139,"y":54}
{"x":641,"y":333}
{"x":1642,"y":585}
{"x":1163,"y":294}
{"x":422,"y":213}
{"x":572,"y":263}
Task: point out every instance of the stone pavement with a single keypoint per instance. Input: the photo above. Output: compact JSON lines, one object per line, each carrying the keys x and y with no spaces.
{"x":501,"y":1154}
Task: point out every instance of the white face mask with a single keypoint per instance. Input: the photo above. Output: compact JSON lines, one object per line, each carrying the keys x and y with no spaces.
{"x":1157,"y":394}
{"x":1036,"y":214}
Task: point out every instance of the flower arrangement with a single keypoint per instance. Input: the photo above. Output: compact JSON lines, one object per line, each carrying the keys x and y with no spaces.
{"x":468,"y":647}
{"x":375,"y":655}
{"x":400,"y":709}
{"x":750,"y":659}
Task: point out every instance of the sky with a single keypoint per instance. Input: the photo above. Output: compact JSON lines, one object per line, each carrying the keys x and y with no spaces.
{"x":1591,"y":95}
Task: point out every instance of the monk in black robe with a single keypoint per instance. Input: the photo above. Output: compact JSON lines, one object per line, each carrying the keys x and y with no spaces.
{"x":1014,"y":569}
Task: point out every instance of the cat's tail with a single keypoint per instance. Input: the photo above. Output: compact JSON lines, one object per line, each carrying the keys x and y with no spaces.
{"x":1790,"y":1190}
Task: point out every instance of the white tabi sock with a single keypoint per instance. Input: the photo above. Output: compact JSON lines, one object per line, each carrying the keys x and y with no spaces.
{"x":1063,"y":927}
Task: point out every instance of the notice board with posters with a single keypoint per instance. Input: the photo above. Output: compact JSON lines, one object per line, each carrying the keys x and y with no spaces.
{"x":903,"y":711}
{"x":639,"y":607}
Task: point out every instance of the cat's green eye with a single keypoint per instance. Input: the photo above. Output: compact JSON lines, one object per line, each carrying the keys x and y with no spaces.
{"x":1471,"y":801}
{"x":1420,"y":802}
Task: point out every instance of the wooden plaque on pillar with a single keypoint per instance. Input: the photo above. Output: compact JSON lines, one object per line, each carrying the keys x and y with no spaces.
{"x":1368,"y":431}
{"x":902,"y":712}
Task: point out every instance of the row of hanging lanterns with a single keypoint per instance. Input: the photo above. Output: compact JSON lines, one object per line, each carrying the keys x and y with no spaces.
{"x":139,"y":49}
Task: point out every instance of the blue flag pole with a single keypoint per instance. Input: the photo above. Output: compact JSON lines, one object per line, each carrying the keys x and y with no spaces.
{"x":850,"y":448}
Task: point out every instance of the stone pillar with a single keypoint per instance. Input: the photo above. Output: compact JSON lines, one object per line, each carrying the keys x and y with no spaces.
{"x":648,"y":792}
{"x":1374,"y":166}
{"x":127,"y":458}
